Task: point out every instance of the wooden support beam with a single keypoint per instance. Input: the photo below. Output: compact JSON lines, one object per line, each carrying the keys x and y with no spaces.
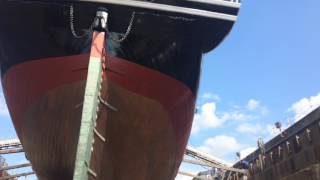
{"x":11,"y":151}
{"x":185,"y":173}
{"x":15,"y":166}
{"x":197,"y":162}
{"x":16,"y":176}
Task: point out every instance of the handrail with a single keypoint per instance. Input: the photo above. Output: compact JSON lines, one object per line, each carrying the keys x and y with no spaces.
{"x":168,"y":8}
{"x":236,"y":1}
{"x":226,"y":3}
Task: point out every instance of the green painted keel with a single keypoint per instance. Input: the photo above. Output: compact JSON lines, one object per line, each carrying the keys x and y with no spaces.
{"x":88,"y":120}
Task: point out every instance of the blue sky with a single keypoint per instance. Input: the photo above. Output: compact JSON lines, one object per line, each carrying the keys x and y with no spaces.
{"x":265,"y":71}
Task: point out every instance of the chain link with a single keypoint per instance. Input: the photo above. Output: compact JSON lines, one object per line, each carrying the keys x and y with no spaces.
{"x":126,"y":34}
{"x":73,"y":31}
{"x":86,"y":33}
{"x":129,"y":28}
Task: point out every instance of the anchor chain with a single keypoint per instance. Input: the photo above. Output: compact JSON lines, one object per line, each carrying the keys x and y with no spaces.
{"x":72,"y":28}
{"x":90,"y":29}
{"x":126,"y":34}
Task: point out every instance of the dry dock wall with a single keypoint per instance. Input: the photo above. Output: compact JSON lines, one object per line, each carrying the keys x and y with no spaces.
{"x":294,"y":155}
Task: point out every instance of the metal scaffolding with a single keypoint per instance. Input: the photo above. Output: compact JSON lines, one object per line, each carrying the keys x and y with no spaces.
{"x":206,"y":160}
{"x":10,"y":146}
{"x":200,"y":158}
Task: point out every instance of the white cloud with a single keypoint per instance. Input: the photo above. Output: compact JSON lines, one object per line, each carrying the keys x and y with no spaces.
{"x":210,"y":96}
{"x":255,"y":131}
{"x":3,"y":106}
{"x":247,"y":128}
{"x":237,"y":115}
{"x":222,"y":146}
{"x":206,"y":118}
{"x":252,"y":104}
{"x":264,"y":110}
{"x":226,"y":147}
{"x":255,"y":105}
{"x":245,"y":152}
{"x":304,"y":106}
{"x":182,"y":177}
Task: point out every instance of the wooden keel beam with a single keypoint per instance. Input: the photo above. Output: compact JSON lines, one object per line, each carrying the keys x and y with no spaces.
{"x":89,"y":111}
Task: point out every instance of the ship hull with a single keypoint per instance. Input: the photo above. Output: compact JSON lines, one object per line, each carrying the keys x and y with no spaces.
{"x":145,"y":137}
{"x":151,"y":81}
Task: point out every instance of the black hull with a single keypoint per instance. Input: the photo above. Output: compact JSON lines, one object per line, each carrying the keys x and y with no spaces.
{"x":32,"y":31}
{"x":163,"y":55}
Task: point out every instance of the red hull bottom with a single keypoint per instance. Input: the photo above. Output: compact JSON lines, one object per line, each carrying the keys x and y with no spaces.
{"x":145,"y":138}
